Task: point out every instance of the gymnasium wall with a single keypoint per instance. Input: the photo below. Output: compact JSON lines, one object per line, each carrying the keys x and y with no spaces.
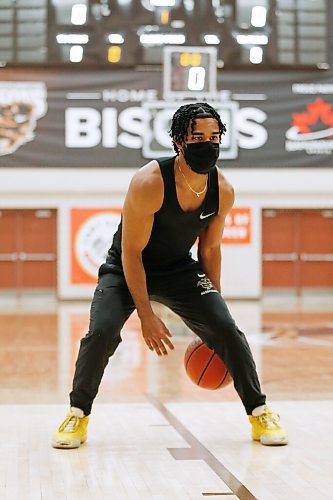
{"x":80,"y":190}
{"x":81,"y":136}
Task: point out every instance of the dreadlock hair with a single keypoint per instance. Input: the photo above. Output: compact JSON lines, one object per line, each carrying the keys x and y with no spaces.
{"x":187,"y":114}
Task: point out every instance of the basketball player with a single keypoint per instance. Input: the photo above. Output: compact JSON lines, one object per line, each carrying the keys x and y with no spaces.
{"x":170,"y":202}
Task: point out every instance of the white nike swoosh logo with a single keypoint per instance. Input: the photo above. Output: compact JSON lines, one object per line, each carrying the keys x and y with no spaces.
{"x":201,"y":275}
{"x":202,"y":216}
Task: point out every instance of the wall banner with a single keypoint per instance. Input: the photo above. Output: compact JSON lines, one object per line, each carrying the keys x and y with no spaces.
{"x":92,"y":230}
{"x":118,"y":118}
{"x":237,"y":229}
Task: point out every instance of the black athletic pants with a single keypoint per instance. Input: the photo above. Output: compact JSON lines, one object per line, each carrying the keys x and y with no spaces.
{"x":191,"y":295}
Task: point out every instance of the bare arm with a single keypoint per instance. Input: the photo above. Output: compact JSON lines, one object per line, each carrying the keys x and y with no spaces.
{"x":209,"y":250}
{"x":143,"y":199}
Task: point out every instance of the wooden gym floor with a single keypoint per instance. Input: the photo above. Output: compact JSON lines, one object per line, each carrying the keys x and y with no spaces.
{"x":153,"y":434}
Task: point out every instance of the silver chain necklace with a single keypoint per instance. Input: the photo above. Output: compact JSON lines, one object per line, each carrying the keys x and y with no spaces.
{"x":198,"y":193}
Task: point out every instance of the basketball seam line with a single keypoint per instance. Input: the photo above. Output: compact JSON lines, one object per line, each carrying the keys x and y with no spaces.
{"x":204,"y":371}
{"x":194,"y":350}
{"x":225,"y":376}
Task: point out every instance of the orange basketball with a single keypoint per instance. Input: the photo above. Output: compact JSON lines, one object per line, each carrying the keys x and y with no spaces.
{"x":204,"y":367}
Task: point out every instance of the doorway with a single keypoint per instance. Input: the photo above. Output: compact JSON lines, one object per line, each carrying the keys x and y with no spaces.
{"x":297,"y":250}
{"x":28,"y":256}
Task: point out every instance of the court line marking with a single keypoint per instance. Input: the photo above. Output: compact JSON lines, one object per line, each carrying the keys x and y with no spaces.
{"x":198,"y":451}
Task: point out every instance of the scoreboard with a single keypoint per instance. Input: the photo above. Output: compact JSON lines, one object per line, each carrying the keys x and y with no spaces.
{"x":189,"y":72}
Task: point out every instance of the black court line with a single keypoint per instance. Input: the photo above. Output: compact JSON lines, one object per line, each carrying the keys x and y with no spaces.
{"x":198,"y":451}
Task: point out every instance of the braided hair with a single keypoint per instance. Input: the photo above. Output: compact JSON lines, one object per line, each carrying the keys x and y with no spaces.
{"x":186,"y":115}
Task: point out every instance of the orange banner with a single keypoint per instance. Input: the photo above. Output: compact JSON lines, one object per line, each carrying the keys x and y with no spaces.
{"x":92,"y":231}
{"x":237,"y":229}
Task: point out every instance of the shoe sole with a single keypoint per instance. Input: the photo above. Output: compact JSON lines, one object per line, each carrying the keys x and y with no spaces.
{"x":66,"y":444}
{"x":280,"y":442}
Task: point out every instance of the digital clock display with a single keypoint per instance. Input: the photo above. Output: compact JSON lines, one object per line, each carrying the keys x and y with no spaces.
{"x":189,"y":71}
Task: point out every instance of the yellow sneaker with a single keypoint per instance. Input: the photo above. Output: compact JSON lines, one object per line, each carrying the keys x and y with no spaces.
{"x":73,"y":431}
{"x":266,"y":428}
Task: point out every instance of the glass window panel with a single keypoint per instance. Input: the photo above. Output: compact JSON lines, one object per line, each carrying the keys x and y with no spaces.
{"x":311,"y":17}
{"x":286,"y":4}
{"x":6,"y":14}
{"x":286,"y":44}
{"x":6,"y":55}
{"x":286,"y":57}
{"x":286,"y":17}
{"x":312,"y":31}
{"x":32,"y":41}
{"x":311,"y":4}
{"x":6,"y":29}
{"x":6,"y":42}
{"x":312,"y":44}
{"x":31,"y":56}
{"x":31,"y":28}
{"x":286,"y":30}
{"x":312,"y":57}
{"x":31,"y":14}
{"x":31,"y":3}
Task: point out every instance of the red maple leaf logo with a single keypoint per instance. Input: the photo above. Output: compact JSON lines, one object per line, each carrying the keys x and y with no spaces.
{"x":319,"y":110}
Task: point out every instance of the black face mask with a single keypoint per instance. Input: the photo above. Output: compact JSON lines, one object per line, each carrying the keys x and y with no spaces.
{"x":201,"y":156}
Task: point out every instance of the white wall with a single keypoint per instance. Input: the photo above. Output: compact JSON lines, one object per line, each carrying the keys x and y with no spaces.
{"x":255,"y":188}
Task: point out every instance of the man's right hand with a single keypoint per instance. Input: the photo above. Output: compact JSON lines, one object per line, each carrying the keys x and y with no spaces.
{"x":156,"y":335}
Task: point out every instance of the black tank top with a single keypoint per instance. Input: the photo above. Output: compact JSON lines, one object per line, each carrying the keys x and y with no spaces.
{"x":174,"y":231}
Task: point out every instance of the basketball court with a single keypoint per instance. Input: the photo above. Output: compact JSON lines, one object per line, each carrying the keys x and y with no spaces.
{"x":88,"y":89}
{"x":153,"y":433}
